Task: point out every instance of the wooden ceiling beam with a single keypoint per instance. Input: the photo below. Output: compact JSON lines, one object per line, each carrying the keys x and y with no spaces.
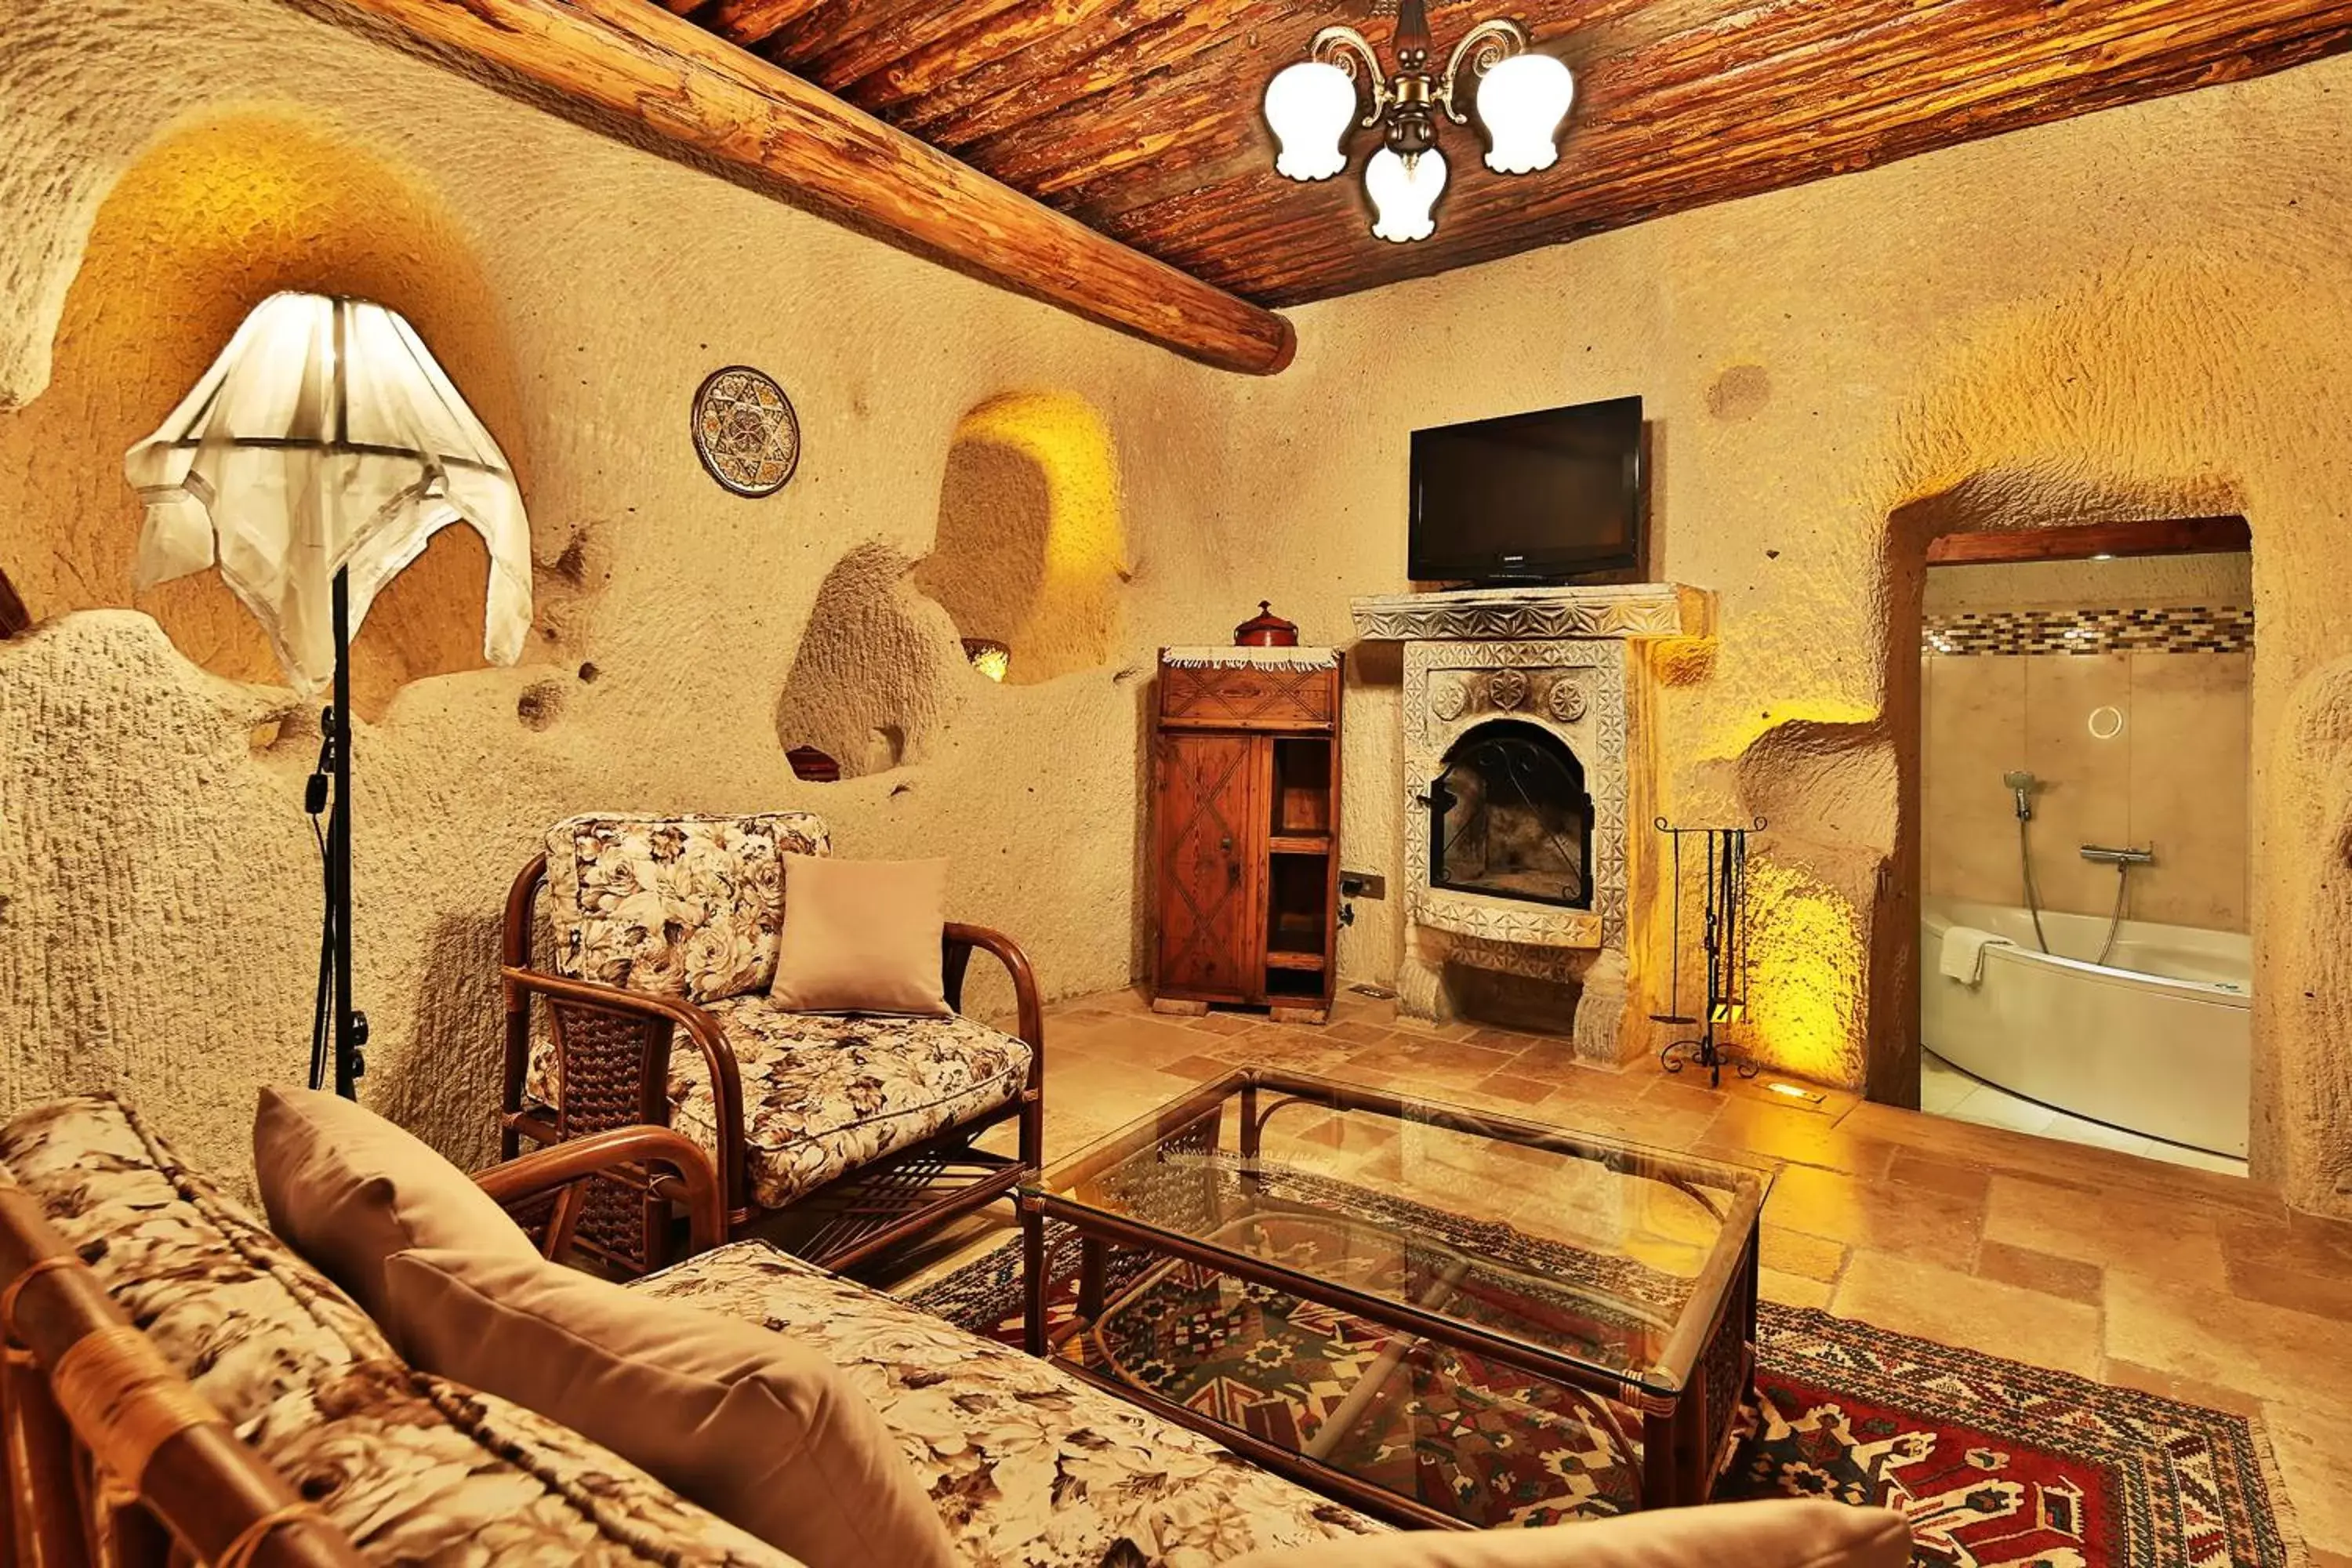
{"x":636,"y":66}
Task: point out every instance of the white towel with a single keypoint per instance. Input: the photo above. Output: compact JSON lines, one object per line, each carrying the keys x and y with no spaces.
{"x":1963,"y":956}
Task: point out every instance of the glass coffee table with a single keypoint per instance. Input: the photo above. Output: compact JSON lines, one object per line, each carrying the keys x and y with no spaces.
{"x":1440,"y":1316}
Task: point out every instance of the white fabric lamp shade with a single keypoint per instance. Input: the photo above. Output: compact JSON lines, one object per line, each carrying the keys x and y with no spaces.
{"x":1404,"y":191}
{"x":1521,"y":102}
{"x":1309,"y":106}
{"x":326,"y":435}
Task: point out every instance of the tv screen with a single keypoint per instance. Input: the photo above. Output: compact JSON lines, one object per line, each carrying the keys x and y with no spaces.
{"x":1554,"y":495}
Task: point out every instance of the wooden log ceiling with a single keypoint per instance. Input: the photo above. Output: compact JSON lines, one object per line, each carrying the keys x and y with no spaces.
{"x":1139,"y":118}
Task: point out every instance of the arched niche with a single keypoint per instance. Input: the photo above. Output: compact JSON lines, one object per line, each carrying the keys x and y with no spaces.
{"x":211,"y":219}
{"x":1031,"y":550}
{"x":877,"y":672}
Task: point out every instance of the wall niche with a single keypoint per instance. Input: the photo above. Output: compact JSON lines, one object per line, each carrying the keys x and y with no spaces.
{"x":879,"y":672}
{"x":1031,"y":550}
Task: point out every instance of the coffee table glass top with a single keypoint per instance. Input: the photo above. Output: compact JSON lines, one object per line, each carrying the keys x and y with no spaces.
{"x":1606,"y":1256}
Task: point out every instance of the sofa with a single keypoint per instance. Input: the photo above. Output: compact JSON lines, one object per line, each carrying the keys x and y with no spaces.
{"x":184,"y":1384}
{"x":839,"y":1135}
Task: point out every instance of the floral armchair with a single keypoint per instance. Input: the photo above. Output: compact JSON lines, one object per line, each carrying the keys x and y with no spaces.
{"x":837,"y":1134}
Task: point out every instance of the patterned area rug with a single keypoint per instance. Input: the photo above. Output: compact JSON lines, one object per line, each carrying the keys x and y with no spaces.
{"x":1997,"y":1464}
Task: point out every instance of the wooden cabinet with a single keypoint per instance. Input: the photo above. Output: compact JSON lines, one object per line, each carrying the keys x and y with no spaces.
{"x":1245,"y":804}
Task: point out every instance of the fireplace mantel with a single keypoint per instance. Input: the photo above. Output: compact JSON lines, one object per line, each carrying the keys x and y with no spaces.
{"x":1629,"y":611}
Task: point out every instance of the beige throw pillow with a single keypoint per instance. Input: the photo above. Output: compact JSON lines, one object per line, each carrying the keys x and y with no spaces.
{"x":861,"y":936}
{"x":1797,"y":1533}
{"x":763,"y":1432}
{"x":347,"y":1189}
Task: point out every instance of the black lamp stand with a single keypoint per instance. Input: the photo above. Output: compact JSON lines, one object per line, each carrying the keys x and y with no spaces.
{"x":338,"y":1030}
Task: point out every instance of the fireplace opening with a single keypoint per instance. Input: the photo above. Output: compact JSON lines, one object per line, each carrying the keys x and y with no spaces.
{"x":1509,"y":816}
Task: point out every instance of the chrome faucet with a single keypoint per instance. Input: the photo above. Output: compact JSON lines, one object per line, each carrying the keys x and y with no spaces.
{"x":2105,"y":856}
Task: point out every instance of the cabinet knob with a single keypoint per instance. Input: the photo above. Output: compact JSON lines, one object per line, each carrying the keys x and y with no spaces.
{"x":1226,"y":842}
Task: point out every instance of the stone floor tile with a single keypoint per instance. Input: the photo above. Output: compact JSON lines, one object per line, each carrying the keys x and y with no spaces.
{"x":2328,"y":1295}
{"x":1514,"y":1089}
{"x":1955,"y":1309}
{"x":1792,"y":1290}
{"x":1958,"y":1178}
{"x":2175,"y":1385}
{"x":1914,"y":1222}
{"x":1195,"y":1068}
{"x":2117,"y":1230}
{"x":2208,"y":1334}
{"x":1794,"y":1252}
{"x":1757,"y":1129}
{"x":2068,"y":1278}
{"x":2313,"y":1441}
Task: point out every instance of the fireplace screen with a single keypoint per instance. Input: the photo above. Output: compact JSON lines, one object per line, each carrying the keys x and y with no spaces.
{"x":1509,"y":816}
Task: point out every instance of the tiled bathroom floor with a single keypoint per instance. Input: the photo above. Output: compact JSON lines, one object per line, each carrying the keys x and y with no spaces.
{"x":1946,"y":1090}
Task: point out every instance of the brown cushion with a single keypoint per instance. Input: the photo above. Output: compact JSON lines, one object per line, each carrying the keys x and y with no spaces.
{"x":348,"y":1189}
{"x":1807,"y":1533}
{"x":861,"y":936}
{"x":758,"y":1430}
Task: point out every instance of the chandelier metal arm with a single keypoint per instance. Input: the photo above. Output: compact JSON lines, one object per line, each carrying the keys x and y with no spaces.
{"x":1344,"y":47}
{"x":1481,"y":48}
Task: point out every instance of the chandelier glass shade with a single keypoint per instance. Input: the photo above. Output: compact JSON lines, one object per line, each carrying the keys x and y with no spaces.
{"x":1521,"y":101}
{"x":1520,"y":98}
{"x":1404,"y":187}
{"x":1310,"y":105}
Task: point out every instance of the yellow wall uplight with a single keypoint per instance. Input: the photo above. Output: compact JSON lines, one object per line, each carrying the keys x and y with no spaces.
{"x":1031,"y":550}
{"x":1804,"y":995}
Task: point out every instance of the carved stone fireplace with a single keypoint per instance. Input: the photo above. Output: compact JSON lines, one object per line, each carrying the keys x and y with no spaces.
{"x":1524,"y":762}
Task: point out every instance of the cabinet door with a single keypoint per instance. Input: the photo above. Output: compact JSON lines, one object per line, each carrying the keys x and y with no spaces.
{"x":1207,"y":794}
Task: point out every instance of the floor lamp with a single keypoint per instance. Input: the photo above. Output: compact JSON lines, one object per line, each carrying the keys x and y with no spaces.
{"x":312,"y":463}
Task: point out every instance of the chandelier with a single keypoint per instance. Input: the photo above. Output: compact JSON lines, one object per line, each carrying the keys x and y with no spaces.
{"x":1521,"y":97}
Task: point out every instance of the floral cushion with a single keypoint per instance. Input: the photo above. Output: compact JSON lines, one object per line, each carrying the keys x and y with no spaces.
{"x":673,"y":906}
{"x":825,"y":1093}
{"x":419,"y":1469}
{"x":242,"y":1316}
{"x":1029,"y":1467}
{"x":828,"y":1092}
{"x":411,"y":1467}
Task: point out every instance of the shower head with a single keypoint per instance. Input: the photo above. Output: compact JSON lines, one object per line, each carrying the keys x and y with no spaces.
{"x":2021,"y":785}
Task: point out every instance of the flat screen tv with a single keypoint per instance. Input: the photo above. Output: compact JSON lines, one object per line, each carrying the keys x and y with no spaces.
{"x":1559,"y":495}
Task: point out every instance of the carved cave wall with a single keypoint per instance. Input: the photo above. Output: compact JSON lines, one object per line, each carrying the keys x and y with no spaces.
{"x":2135,"y":313}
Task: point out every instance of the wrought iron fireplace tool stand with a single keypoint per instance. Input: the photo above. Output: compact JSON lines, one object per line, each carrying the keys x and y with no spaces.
{"x":1723,"y":942}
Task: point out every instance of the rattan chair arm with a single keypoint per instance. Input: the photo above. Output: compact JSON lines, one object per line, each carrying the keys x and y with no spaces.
{"x":561,"y":1165}
{"x":726,"y":1078}
{"x":959,"y":940}
{"x":1030,"y":1005}
{"x":522,"y":898}
{"x":136,"y":1419}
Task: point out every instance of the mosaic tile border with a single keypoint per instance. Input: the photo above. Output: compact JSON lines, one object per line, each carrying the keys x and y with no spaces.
{"x":2186,"y":629}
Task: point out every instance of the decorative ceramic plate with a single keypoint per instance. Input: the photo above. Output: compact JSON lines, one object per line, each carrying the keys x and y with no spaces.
{"x":745,"y":431}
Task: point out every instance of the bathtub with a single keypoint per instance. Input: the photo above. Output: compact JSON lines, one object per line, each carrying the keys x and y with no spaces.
{"x":2156,"y":1040}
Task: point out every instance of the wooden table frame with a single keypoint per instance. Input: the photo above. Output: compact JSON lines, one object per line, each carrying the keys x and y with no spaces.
{"x":1688,"y":1430}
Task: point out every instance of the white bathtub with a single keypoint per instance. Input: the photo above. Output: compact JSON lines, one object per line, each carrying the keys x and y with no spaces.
{"x":2154,"y":1041}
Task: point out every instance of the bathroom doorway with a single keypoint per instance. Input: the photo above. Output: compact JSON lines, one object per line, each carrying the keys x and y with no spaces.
{"x":2085,"y":971}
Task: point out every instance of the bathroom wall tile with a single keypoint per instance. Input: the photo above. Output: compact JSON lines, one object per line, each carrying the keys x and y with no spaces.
{"x":2086,"y":780}
{"x":1974,"y":730}
{"x":2192,"y":715}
